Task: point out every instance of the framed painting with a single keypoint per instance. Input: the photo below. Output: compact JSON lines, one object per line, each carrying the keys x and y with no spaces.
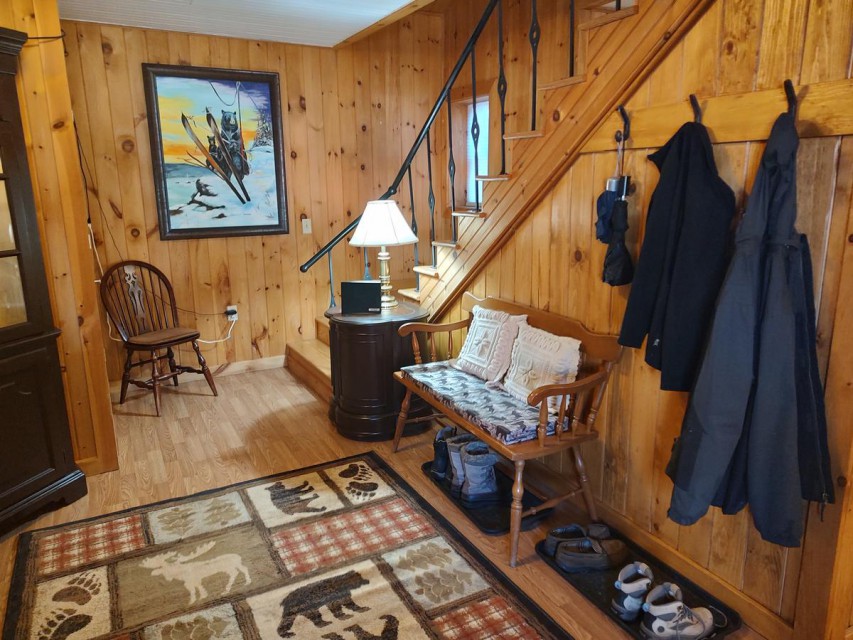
{"x":216,"y":149}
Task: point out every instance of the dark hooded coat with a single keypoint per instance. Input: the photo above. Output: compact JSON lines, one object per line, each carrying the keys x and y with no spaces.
{"x":755,"y":427}
{"x":683,"y":259}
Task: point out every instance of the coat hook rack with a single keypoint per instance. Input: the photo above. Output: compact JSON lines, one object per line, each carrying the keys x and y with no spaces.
{"x":622,"y":136}
{"x":791,"y":95}
{"x":697,"y":109}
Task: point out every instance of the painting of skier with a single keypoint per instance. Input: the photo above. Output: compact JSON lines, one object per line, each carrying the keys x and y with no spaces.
{"x":216,"y":151}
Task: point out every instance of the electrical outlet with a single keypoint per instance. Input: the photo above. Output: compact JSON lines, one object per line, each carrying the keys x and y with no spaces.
{"x":306,"y":225}
{"x":231,"y":312}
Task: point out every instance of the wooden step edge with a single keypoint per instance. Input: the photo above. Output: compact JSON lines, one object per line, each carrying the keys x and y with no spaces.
{"x":321,"y":324}
{"x":310,"y":362}
{"x":607,"y":18}
{"x":562,"y":82}
{"x":411,"y":294}
{"x":429,"y":272}
{"x":501,"y":177}
{"x":450,"y":245}
{"x":524,"y":135}
{"x":469,"y":214}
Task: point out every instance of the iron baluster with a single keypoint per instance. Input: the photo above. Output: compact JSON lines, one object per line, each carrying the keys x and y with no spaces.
{"x":534,"y":35}
{"x":451,"y":167}
{"x":414,"y":226}
{"x":502,"y":83}
{"x":332,"y":303}
{"x":475,"y":132}
{"x":431,"y":203}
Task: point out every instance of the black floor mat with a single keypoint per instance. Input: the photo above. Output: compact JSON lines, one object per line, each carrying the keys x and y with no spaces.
{"x":493,"y":520}
{"x":598,"y":587}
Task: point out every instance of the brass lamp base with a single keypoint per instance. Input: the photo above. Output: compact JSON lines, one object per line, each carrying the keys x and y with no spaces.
{"x":388,"y":301}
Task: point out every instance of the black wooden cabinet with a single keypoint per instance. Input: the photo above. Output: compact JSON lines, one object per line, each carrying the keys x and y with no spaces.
{"x":366,"y":350}
{"x":36,"y":459}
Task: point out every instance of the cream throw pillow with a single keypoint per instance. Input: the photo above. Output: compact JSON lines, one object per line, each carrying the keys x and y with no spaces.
{"x":488,"y":345}
{"x":540,"y":358}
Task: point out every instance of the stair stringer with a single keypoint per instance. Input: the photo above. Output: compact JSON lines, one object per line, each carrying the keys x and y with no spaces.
{"x":571,"y":115}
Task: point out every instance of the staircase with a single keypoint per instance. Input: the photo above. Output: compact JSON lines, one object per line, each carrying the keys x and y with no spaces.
{"x":611,"y":52}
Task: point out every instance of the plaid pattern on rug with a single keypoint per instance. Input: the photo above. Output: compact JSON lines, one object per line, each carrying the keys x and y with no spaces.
{"x":343,"y":550}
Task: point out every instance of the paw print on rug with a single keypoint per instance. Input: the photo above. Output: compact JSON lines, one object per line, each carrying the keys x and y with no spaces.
{"x":358,"y":486}
{"x":79,"y":590}
{"x":61,"y":623}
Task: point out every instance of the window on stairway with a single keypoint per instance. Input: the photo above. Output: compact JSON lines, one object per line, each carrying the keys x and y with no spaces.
{"x":482,"y":110}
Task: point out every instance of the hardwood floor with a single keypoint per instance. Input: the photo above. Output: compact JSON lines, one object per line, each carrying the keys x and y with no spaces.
{"x":266,"y":422}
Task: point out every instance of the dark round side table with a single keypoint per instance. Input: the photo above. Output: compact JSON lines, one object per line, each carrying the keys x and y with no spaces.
{"x":366,"y":351}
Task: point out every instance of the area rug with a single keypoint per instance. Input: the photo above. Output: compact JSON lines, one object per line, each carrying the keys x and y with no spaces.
{"x":340,"y":551}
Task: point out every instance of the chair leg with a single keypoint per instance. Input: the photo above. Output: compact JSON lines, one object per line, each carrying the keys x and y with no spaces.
{"x":515,"y":513}
{"x":401,"y":419}
{"x":203,"y":364}
{"x":172,"y":365}
{"x":155,"y":381}
{"x":125,"y":377}
{"x":580,"y":468}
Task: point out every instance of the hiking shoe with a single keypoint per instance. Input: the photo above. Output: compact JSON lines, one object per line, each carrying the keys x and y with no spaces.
{"x":440,"y":460}
{"x":588,"y":554}
{"x":666,"y":616}
{"x":480,"y":485}
{"x":573,"y":532}
{"x":454,"y":455}
{"x":633,"y":583}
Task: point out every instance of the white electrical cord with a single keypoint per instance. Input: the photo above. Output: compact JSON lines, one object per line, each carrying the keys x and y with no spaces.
{"x":110,"y":324}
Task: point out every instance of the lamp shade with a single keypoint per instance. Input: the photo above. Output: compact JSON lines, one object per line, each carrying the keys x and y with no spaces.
{"x":382,"y":225}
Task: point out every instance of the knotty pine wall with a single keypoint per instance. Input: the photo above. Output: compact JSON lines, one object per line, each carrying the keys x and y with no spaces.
{"x":554,"y":262}
{"x":350,"y":115}
{"x":59,"y":199}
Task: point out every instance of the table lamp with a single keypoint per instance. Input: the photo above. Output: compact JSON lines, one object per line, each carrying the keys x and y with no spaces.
{"x":382,"y":225}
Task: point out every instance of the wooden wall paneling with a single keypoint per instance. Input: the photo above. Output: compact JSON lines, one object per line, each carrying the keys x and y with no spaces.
{"x":559,"y":282}
{"x":827,"y":43}
{"x":781,"y":46}
{"x":299,"y":186}
{"x":364,"y":141}
{"x":739,"y":46}
{"x":540,"y":293}
{"x":351,"y":206}
{"x":404,"y":44}
{"x":336,"y":218}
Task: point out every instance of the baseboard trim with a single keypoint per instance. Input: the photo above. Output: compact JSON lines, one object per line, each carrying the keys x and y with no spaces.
{"x":225,"y":369}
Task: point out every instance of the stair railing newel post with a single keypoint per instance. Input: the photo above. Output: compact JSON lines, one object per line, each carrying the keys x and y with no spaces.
{"x":502,"y":86}
{"x":431,"y":202}
{"x":534,"y":35}
{"x":475,"y":131}
{"x":451,"y":168}
{"x":414,"y":226}
{"x":332,"y":303}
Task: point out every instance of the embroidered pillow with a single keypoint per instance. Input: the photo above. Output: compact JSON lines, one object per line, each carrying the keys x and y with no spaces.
{"x":540,"y":358}
{"x":488,"y":346}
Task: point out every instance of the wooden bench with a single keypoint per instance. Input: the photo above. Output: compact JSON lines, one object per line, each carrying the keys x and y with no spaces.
{"x":579,"y":402}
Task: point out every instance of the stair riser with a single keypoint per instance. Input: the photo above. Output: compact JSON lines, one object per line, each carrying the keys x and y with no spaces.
{"x":309,"y":375}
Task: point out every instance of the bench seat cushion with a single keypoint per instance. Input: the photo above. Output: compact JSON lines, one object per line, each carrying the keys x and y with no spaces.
{"x":494,"y":410}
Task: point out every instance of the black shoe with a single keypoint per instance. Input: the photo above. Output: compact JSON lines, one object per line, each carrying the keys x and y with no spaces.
{"x":440,"y":458}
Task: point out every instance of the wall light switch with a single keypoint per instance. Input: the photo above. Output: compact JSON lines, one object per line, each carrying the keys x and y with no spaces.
{"x":306,"y":225}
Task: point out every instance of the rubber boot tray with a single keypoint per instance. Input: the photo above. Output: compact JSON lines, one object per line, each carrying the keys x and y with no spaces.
{"x":493,"y":519}
{"x":598,"y":587}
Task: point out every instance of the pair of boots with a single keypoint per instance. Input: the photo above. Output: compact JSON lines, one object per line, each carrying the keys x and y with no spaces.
{"x":469,"y":464}
{"x":664,"y":613}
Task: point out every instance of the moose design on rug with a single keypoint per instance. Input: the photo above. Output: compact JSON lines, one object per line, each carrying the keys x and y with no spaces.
{"x":192,"y":572}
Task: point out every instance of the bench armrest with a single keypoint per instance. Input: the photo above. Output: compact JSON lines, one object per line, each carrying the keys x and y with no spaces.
{"x":550,"y":390}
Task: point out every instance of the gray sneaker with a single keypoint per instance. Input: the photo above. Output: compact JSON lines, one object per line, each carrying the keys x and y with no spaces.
{"x":634,"y":582}
{"x":666,"y":616}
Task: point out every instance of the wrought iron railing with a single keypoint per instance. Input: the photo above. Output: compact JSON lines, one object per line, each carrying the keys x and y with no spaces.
{"x":443,"y":99}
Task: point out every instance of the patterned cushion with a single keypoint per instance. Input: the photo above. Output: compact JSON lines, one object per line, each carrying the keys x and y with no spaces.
{"x":540,"y":358}
{"x":488,"y":345}
{"x":493,"y":410}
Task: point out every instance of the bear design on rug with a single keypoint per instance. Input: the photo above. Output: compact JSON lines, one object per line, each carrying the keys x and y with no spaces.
{"x":389,"y":631}
{"x":334,"y":593}
{"x":291,"y":501}
{"x":358,"y":488}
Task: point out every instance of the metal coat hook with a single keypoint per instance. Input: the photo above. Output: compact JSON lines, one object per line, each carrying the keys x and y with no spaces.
{"x":791,"y":95}
{"x":697,"y":109}
{"x":622,"y":136}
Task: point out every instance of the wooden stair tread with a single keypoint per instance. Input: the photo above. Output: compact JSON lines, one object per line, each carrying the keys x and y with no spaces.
{"x":411,"y":294}
{"x":562,"y":82}
{"x":310,"y":361}
{"x":426,"y":270}
{"x":449,"y":245}
{"x":470,"y":214}
{"x":501,"y":177}
{"x":609,"y":17}
{"x":524,"y":135}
